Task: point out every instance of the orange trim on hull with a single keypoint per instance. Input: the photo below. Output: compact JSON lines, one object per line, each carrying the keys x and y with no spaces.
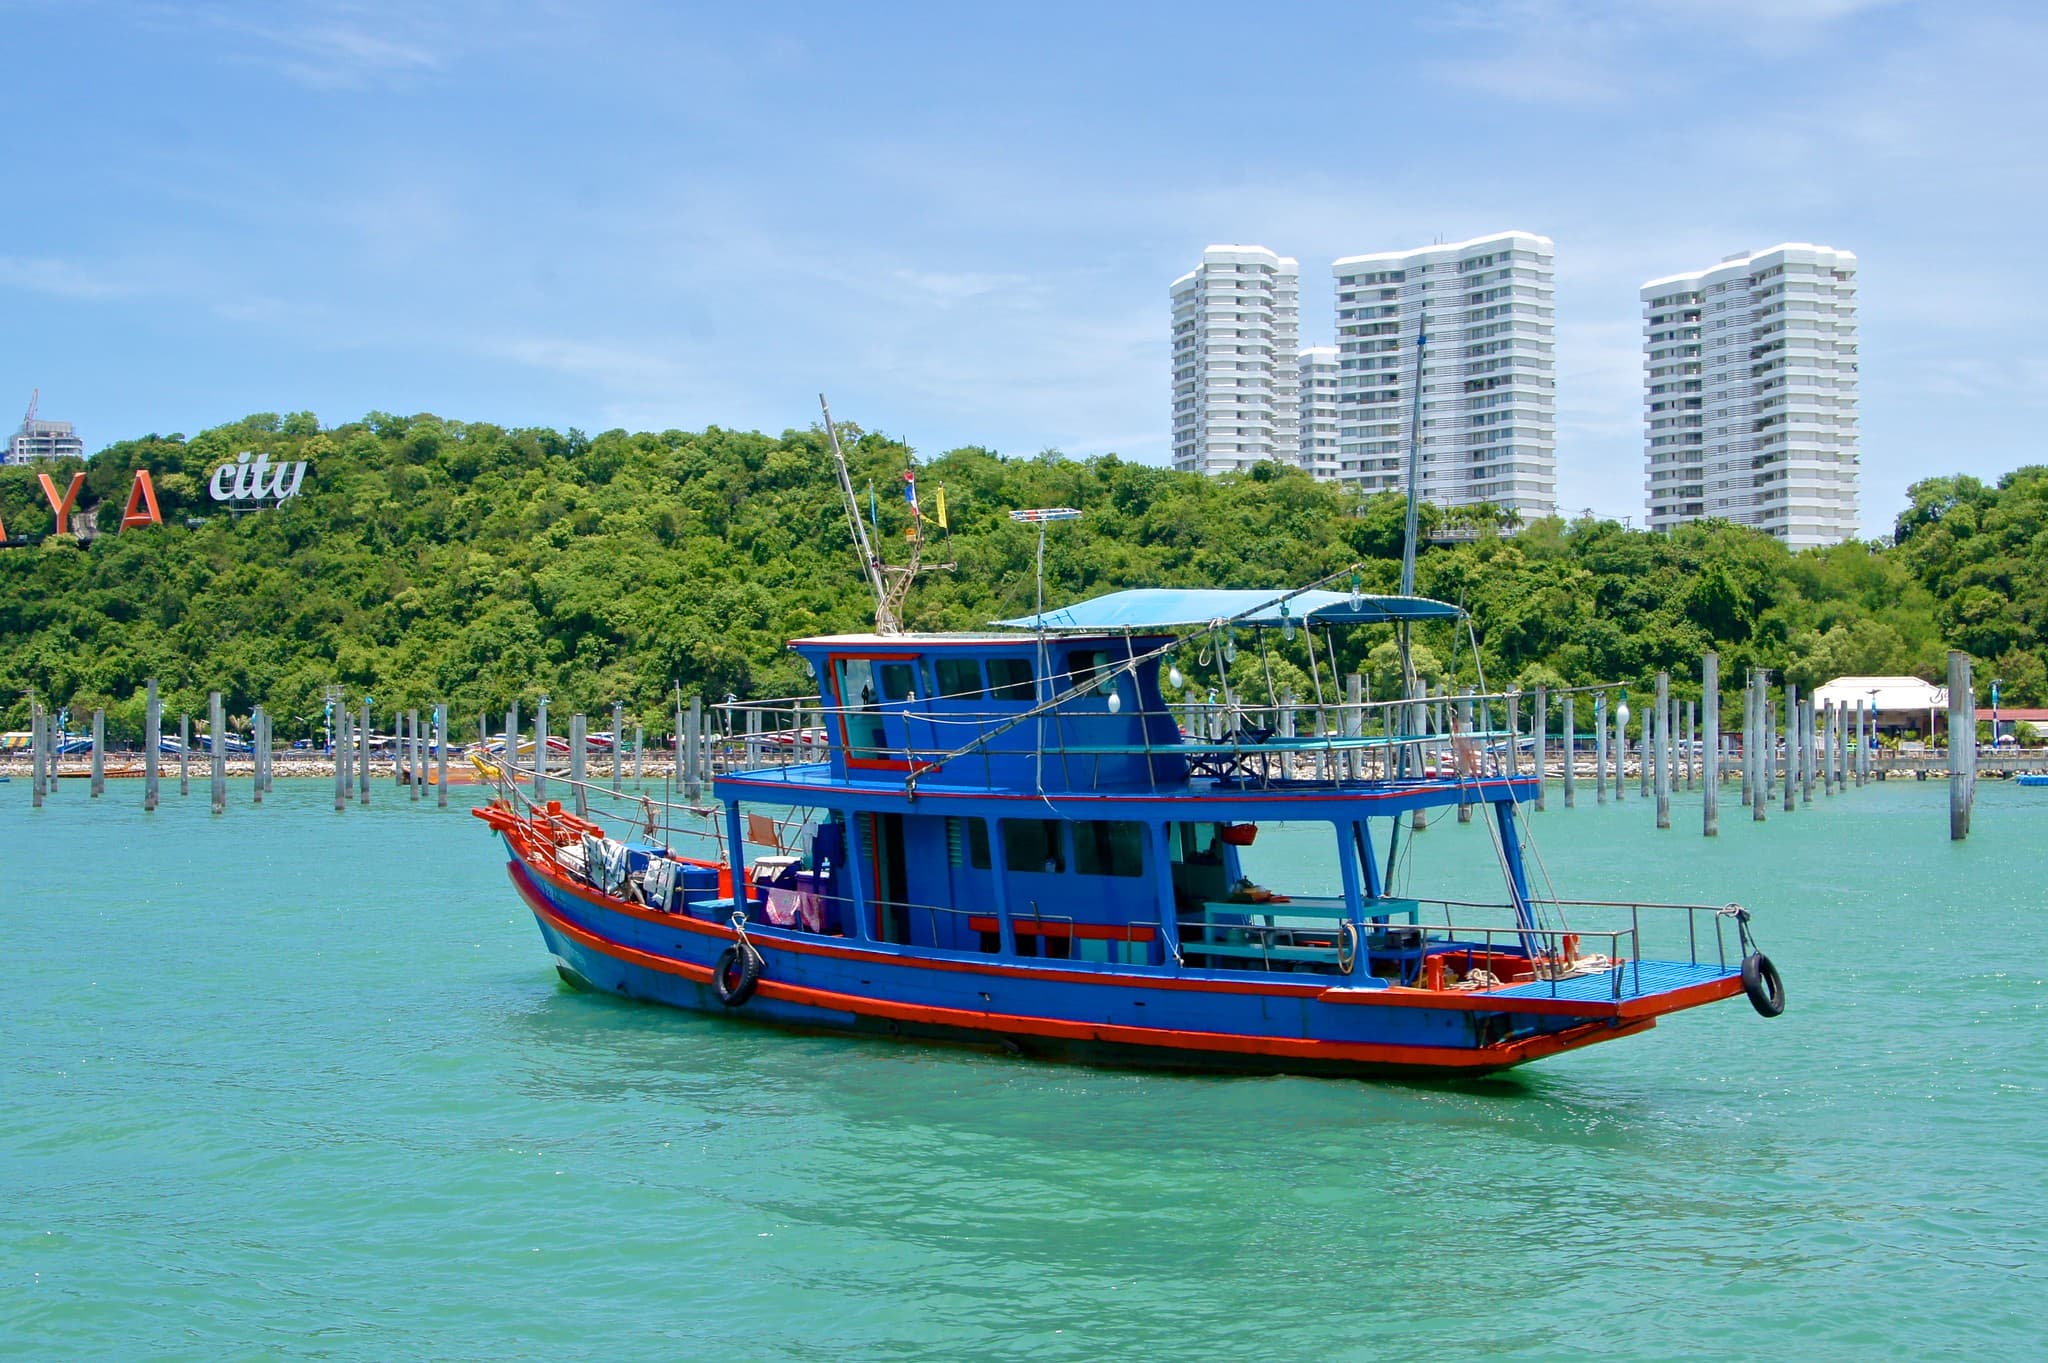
{"x":1221,"y":1043}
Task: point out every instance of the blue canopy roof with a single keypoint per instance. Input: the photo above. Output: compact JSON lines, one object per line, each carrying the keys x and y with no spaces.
{"x":1144,"y":608}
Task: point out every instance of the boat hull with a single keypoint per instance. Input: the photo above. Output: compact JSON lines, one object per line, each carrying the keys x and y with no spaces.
{"x":1214,"y":1021}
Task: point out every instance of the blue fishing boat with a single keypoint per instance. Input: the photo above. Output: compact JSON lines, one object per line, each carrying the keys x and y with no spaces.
{"x":1010,"y":839}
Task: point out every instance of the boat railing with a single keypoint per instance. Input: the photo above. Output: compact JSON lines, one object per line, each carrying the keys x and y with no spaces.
{"x":1288,"y":743}
{"x":1712,"y":932}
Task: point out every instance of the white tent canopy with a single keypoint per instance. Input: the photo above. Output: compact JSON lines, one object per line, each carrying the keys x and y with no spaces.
{"x":1883,"y":694}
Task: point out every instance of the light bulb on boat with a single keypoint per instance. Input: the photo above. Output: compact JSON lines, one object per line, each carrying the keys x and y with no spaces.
{"x":1173,"y":677}
{"x":1230,"y":648}
{"x":1621,"y":713}
{"x":1116,"y":702}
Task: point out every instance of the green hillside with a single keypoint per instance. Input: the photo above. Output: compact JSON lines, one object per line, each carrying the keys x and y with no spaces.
{"x":429,"y":560}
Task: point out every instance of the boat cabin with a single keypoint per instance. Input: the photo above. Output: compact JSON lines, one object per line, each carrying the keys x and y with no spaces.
{"x":1032,"y":794}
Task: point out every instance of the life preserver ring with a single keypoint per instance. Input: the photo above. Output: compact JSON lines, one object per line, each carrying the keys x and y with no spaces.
{"x":735,"y":974}
{"x":1347,"y":947}
{"x":1760,"y":981}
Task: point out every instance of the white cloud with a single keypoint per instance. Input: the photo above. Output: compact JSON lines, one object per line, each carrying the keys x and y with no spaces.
{"x":67,"y":278}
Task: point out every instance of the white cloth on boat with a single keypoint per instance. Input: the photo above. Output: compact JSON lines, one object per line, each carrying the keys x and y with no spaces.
{"x":606,"y":862}
{"x":659,"y":882}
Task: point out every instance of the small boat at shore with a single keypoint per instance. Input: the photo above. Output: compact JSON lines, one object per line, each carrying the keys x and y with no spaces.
{"x":1009,"y":840}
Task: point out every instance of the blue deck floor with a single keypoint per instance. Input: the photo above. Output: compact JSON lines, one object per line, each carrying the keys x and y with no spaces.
{"x":1637,"y":980}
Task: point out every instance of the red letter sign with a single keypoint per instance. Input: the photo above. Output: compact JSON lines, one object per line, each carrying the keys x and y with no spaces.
{"x":62,"y":508}
{"x":143,"y":491}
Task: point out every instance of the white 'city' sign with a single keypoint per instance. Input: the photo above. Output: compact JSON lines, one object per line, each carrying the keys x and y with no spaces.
{"x":244,"y":481}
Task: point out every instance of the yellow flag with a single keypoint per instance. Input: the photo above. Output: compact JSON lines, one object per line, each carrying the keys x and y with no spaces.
{"x":942,"y":508}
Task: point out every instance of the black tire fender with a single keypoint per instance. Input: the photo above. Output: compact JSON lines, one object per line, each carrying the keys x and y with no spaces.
{"x":735,"y":974}
{"x":1760,"y":981}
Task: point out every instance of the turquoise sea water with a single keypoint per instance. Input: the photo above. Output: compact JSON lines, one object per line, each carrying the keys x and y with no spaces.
{"x":288,"y":1084}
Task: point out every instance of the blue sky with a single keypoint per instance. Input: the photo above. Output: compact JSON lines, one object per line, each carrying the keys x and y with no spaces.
{"x":960,"y":221}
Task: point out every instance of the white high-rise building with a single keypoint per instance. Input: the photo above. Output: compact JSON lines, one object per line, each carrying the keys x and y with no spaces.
{"x":1489,"y":371}
{"x":38,"y":439}
{"x":1236,"y":338}
{"x":1749,"y":392}
{"x":1319,"y":411}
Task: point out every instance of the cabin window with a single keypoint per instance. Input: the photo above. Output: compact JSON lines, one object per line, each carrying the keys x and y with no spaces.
{"x":899,"y":681}
{"x":959,"y":678}
{"x":1092,"y":669}
{"x":1109,"y":848}
{"x":967,"y":843}
{"x":861,"y":704}
{"x":1011,"y":679}
{"x":1033,"y":845}
{"x":1197,"y":843}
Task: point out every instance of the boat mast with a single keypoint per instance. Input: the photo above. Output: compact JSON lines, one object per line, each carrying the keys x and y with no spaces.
{"x":1408,"y":543}
{"x":886,"y":621}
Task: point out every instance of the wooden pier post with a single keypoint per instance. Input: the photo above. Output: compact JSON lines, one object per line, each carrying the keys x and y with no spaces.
{"x":441,"y":753}
{"x":1646,"y":742}
{"x":639,"y":757}
{"x":1806,"y":750}
{"x":1463,"y":710}
{"x":579,"y":762}
{"x":401,"y":748}
{"x":509,"y":769}
{"x":1600,"y":748}
{"x":1791,"y":742}
{"x":217,"y":749}
{"x":1848,"y":768}
{"x":1514,"y":733}
{"x":415,"y":757}
{"x":1827,"y":752}
{"x":340,"y":742}
{"x":1765,"y":757}
{"x":1620,"y":745}
{"x":1542,"y":753}
{"x":35,"y":754}
{"x":1710,"y":734}
{"x":184,"y":754}
{"x":618,"y":746}
{"x":540,"y":751}
{"x":1661,"y":740}
{"x":258,"y":746}
{"x":690,"y":751}
{"x":1354,"y":723}
{"x":1862,"y":762}
{"x":152,"y":744}
{"x":1962,"y":746}
{"x":1571,"y":752}
{"x":364,"y":731}
{"x":99,"y":753}
{"x":1842,"y":748}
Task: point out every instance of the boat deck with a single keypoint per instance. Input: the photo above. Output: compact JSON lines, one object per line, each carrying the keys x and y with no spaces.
{"x":1638,"y":978}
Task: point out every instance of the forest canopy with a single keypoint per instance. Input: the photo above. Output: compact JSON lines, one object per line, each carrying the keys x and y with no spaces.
{"x":429,"y":560}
